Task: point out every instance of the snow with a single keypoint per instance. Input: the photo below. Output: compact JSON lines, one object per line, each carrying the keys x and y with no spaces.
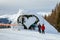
{"x":44,"y":13}
{"x":49,"y":28}
{"x":13,"y":18}
{"x":9,"y":34}
{"x":19,"y":33}
{"x":29,"y":22}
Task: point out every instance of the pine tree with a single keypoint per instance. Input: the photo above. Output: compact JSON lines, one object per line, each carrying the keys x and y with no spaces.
{"x":54,"y":18}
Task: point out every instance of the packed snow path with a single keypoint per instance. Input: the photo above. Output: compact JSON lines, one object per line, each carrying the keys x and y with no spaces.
{"x":8,"y":34}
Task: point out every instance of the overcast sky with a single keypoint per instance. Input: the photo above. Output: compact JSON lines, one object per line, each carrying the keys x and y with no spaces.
{"x":12,"y":6}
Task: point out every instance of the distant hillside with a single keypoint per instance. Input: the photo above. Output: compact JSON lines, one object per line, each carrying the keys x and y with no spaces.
{"x":54,"y":18}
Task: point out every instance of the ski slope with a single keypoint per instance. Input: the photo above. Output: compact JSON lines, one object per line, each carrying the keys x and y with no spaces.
{"x":8,"y":34}
{"x":13,"y":18}
{"x":14,"y":34}
{"x":49,"y":28}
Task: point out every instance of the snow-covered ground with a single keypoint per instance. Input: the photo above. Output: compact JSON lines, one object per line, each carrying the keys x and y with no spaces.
{"x":14,"y":34}
{"x":9,"y":34}
{"x":49,"y":28}
{"x":30,"y":21}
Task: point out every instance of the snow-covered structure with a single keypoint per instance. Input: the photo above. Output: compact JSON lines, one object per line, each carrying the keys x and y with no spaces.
{"x":32,"y":18}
